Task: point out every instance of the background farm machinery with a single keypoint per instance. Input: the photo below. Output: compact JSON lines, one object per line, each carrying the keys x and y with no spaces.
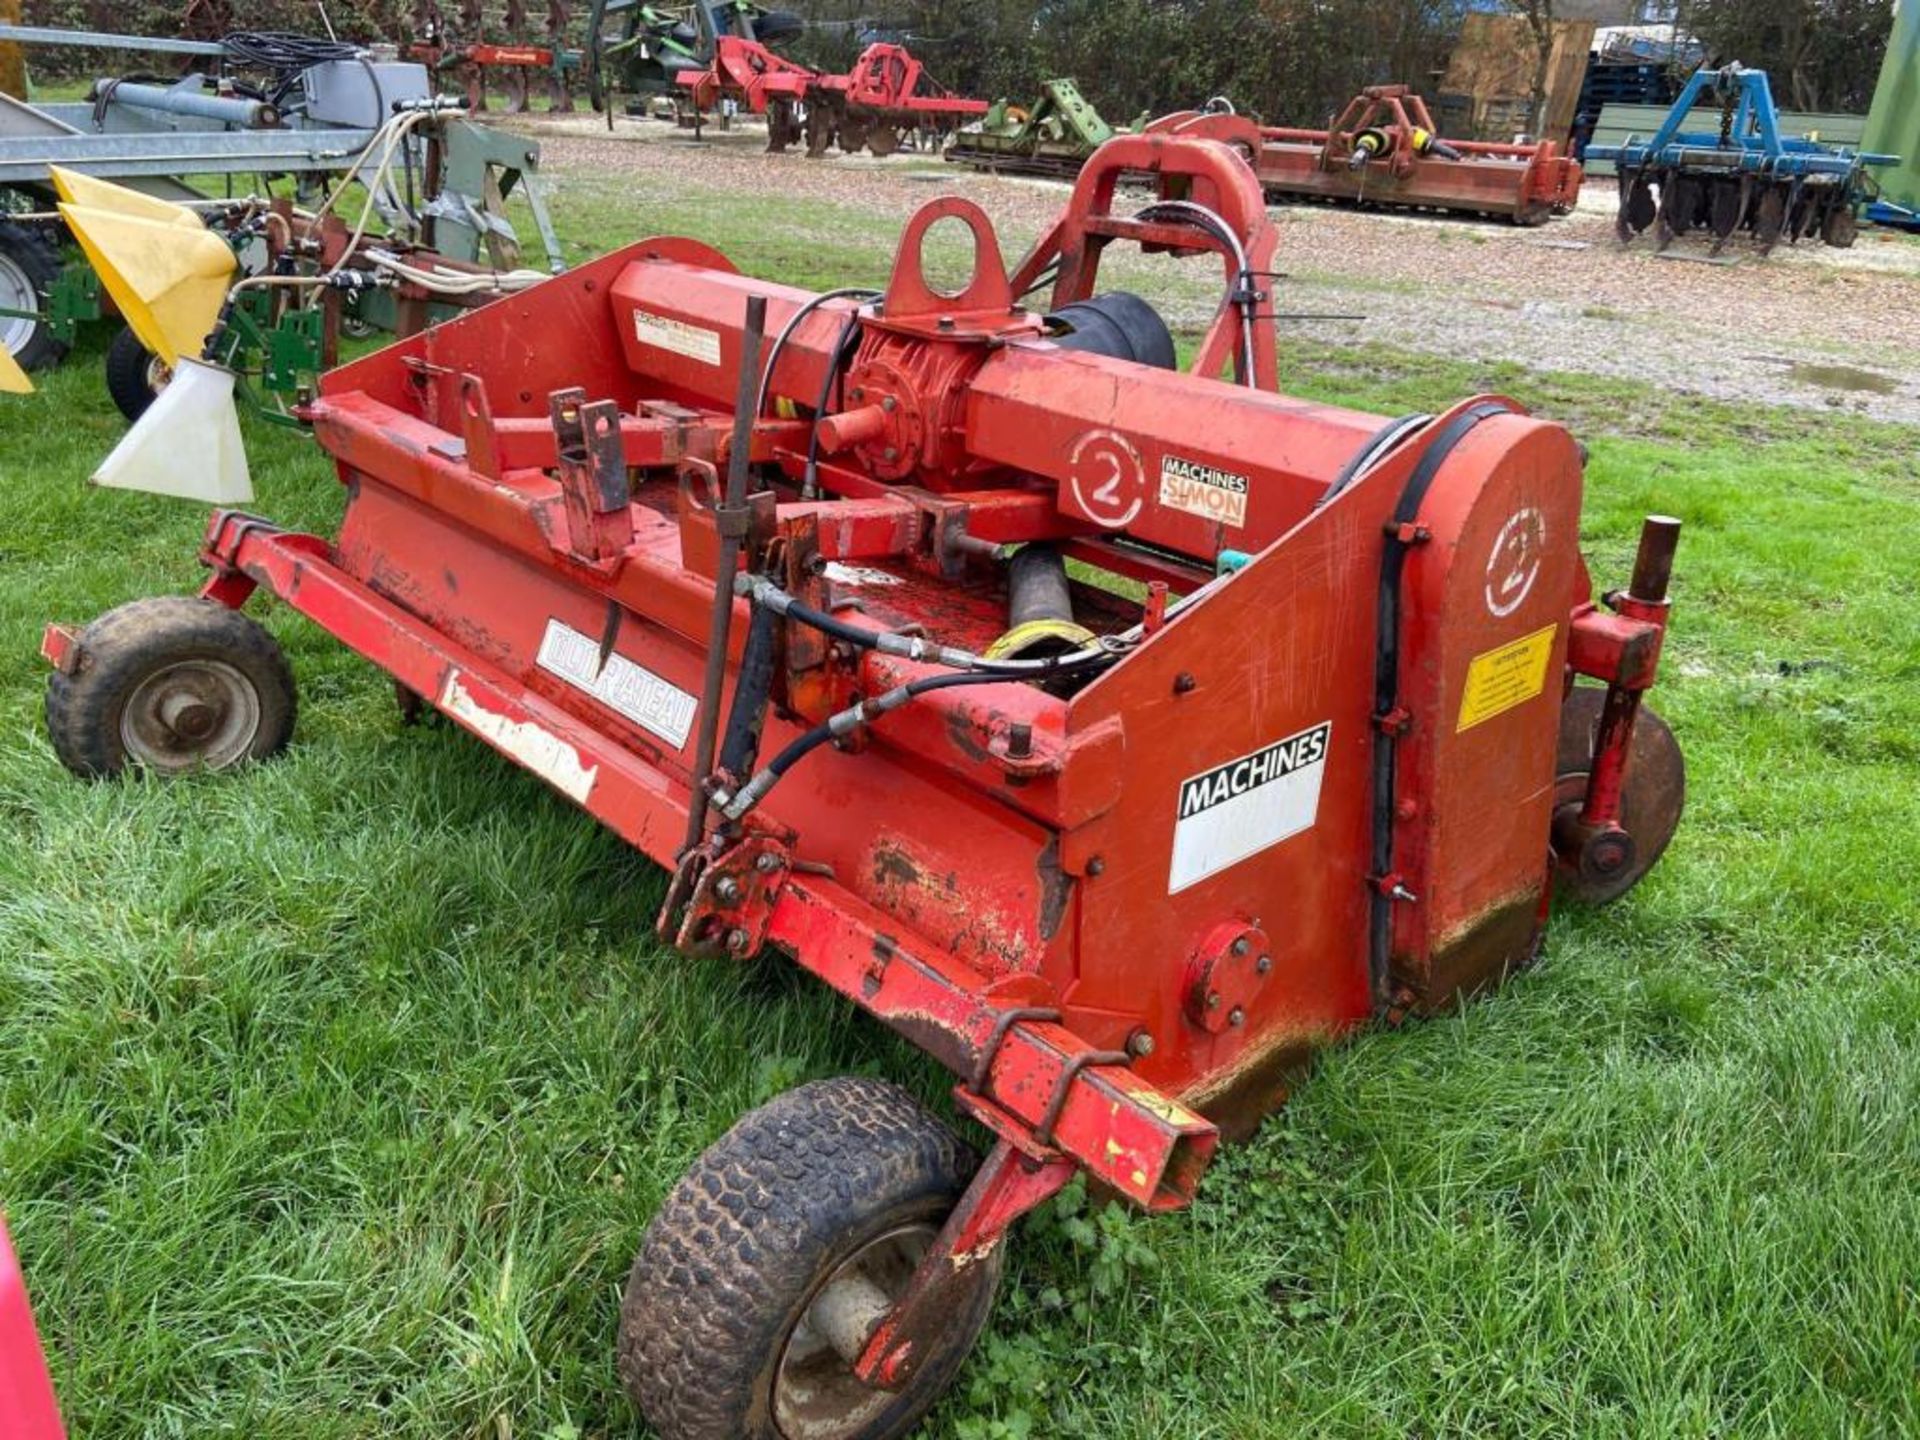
{"x":1383,"y":151}
{"x":641,"y":50}
{"x":776,"y":585}
{"x":887,"y":96}
{"x":1055,"y":135}
{"x":1746,"y":174}
{"x":431,"y":228}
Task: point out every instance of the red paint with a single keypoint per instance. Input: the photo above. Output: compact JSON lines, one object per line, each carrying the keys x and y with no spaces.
{"x":994,"y":849}
{"x":28,"y":1410}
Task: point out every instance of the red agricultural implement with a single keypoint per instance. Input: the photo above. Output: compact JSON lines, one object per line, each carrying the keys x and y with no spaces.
{"x":887,"y":96}
{"x":1115,"y":733}
{"x":28,"y":1410}
{"x":1384,"y":151}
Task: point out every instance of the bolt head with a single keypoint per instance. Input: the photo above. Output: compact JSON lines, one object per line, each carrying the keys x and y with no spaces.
{"x":738,"y":940}
{"x":1213,"y":1000}
{"x":767,"y":863}
{"x":1096,"y":866}
{"x":726,"y":890}
{"x":1236,"y":1016}
{"x":1263,"y":964}
{"x":1140,"y":1042}
{"x":1240,"y":946}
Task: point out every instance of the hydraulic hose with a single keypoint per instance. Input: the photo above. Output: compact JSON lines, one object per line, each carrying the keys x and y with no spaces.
{"x":835,"y":727}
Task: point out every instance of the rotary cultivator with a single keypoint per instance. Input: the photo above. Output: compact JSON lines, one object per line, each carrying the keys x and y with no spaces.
{"x":886,"y":98}
{"x":1384,"y":152}
{"x":1116,"y":733}
{"x":1746,"y":175}
{"x":1056,"y":135}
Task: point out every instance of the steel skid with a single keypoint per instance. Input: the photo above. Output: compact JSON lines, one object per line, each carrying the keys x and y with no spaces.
{"x":1305,"y":766}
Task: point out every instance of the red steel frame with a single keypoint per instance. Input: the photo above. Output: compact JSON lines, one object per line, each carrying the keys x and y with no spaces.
{"x":1527,"y":183}
{"x":886,"y":81}
{"x":28,"y":1410}
{"x":987,"y":870}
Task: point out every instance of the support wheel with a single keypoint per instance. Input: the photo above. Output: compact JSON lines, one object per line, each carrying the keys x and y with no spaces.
{"x":767,"y":1266}
{"x":135,"y":375}
{"x":1653,"y":794}
{"x":171,"y":685}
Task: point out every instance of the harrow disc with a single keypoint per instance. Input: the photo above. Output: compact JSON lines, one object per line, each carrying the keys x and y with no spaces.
{"x":1637,"y":206}
{"x":1770,"y":218}
{"x":1840,"y":228}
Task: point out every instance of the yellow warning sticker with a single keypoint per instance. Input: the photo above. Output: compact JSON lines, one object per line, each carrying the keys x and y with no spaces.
{"x":1509,"y":675}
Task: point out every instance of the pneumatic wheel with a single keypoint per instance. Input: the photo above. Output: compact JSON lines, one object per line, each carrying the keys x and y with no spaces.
{"x":762,"y":1274}
{"x":135,"y":375}
{"x":170,"y":685}
{"x":29,"y":268}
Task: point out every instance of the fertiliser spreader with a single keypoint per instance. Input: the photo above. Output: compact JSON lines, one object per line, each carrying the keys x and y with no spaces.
{"x":1114,"y":733}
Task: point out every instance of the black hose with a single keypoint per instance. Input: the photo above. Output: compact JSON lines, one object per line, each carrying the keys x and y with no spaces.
{"x":836,"y":368}
{"x":844,"y":723}
{"x":864,"y":639}
{"x":286,"y":56}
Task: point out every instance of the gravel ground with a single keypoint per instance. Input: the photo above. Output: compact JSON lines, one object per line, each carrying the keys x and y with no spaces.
{"x":1809,"y":326}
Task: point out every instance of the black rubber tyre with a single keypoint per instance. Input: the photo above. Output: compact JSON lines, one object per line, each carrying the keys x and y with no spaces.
{"x":29,"y":266}
{"x":135,"y":375}
{"x":171,"y":685}
{"x":712,"y":1344}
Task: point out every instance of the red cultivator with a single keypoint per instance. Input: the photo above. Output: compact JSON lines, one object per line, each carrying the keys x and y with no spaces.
{"x":1116,"y":734}
{"x":886,"y":96}
{"x":1384,"y":151}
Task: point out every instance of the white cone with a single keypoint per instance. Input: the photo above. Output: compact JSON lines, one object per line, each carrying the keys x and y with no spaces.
{"x":187,"y":444}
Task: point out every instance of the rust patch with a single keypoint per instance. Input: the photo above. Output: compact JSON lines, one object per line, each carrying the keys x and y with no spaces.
{"x":1056,"y":888}
{"x":931,"y":1034}
{"x":892,"y":866}
{"x":1477,"y":956}
{"x":960,"y":731}
{"x":1256,"y":1085}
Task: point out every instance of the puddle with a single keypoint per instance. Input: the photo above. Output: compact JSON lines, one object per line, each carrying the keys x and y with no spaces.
{"x":1843,"y":377}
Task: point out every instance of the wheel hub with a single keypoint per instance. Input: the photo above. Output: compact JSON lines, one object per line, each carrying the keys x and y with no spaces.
{"x":1598,"y":864}
{"x":816,"y":1395}
{"x":16,"y":293}
{"x":191,"y":713}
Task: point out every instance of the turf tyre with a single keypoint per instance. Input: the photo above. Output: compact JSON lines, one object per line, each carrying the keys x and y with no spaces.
{"x":748,"y":1238}
{"x":143,"y":643}
{"x":135,"y":375}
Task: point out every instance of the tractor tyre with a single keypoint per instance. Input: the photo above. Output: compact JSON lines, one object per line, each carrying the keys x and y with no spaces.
{"x":170,"y":685}
{"x":29,"y":266}
{"x":135,"y":375}
{"x":834,"y":1189}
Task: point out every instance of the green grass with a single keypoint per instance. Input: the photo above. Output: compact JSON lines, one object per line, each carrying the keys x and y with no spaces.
{"x":334,"y":1096}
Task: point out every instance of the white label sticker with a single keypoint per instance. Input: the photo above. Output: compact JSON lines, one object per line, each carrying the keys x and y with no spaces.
{"x":633,"y":690}
{"x":540,"y":750}
{"x":859,"y":575}
{"x":696,"y":342}
{"x":1247,"y":805}
{"x":1203,"y":490}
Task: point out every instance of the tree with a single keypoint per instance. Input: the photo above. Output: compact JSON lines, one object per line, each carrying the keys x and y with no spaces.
{"x":1819,"y":54}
